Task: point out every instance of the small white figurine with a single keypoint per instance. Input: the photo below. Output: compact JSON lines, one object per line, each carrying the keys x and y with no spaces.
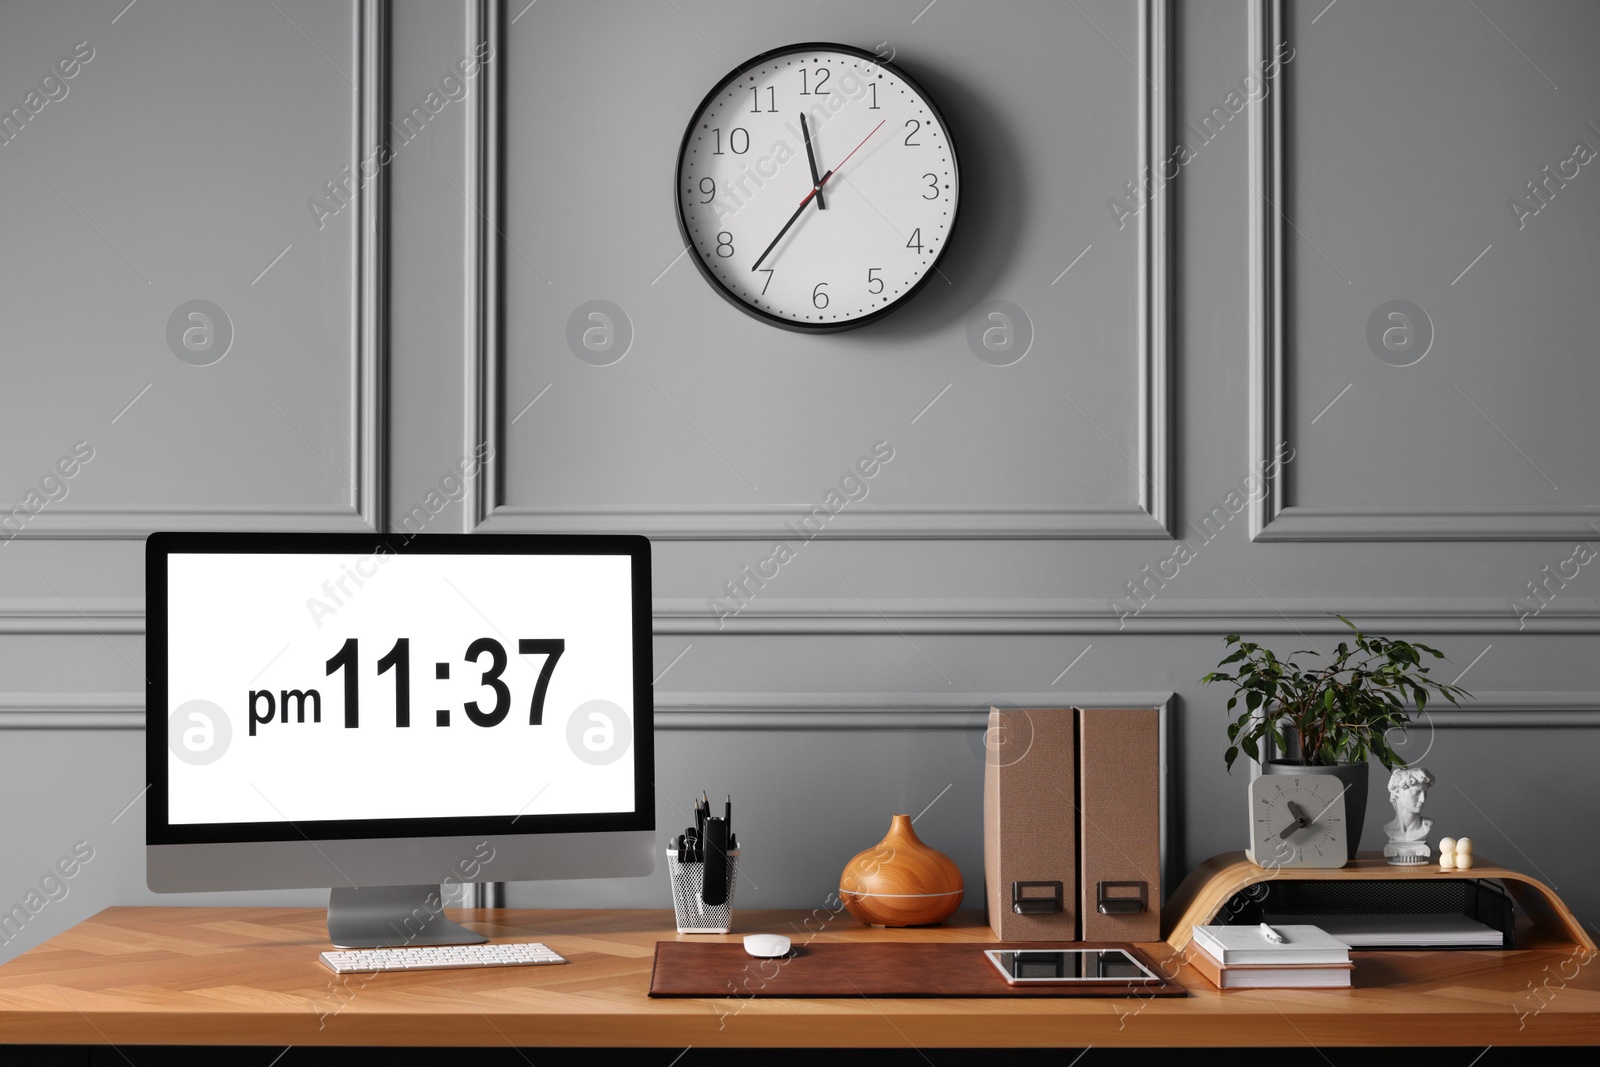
{"x":1408,"y":833}
{"x":1447,"y":853}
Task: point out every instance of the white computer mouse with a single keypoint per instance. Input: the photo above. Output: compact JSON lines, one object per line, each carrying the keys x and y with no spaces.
{"x":766,"y":946}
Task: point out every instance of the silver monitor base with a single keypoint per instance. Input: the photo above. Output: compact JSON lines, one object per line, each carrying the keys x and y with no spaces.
{"x":393,"y":916}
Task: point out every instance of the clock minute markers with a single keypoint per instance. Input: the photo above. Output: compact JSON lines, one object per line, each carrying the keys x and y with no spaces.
{"x":1330,"y":804}
{"x":1312,"y":806}
{"x":816,"y":190}
{"x":853,"y":272}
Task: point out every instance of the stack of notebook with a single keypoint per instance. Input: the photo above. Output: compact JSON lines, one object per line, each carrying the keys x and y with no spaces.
{"x":1247,"y":957}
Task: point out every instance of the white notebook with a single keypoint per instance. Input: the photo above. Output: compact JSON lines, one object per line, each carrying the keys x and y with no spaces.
{"x":1242,"y":944}
{"x":1420,"y":931}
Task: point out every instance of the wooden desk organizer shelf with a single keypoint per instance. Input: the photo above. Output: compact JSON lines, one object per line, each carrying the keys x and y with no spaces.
{"x":1546,"y":921}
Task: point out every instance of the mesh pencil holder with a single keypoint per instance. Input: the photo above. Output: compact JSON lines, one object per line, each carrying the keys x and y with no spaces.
{"x":693,"y":914}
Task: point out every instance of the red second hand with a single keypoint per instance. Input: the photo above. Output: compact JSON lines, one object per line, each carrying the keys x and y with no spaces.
{"x":818,"y":187}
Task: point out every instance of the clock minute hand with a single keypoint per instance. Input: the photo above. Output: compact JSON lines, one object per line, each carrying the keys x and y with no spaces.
{"x":816,"y":190}
{"x":792,"y":218}
{"x":1331,"y":803}
{"x":811,"y":158}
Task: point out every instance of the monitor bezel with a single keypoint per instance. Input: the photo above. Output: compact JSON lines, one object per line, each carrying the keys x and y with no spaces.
{"x":160,"y":546}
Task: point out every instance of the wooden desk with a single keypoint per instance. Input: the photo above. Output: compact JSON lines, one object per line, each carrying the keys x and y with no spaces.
{"x":216,"y":976}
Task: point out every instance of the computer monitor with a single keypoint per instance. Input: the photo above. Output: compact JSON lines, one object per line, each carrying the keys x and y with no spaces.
{"x":383,"y":714}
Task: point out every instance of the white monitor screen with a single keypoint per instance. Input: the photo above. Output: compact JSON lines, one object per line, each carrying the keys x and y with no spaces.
{"x":305,"y":687}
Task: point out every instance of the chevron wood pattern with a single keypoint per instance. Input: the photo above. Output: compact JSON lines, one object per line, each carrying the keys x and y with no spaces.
{"x":217,"y":976}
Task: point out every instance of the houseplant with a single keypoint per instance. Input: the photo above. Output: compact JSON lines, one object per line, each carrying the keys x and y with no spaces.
{"x":1328,"y":719}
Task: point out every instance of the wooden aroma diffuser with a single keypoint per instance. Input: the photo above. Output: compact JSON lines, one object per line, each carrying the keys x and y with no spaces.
{"x":900,"y":881}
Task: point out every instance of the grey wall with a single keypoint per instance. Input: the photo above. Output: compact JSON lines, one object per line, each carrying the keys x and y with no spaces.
{"x":993,"y":553}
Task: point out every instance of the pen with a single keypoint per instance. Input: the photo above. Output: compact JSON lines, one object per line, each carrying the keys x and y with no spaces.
{"x":1271,"y":935}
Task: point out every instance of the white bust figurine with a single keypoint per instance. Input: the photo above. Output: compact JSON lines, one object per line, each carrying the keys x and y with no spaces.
{"x":1408,"y":833}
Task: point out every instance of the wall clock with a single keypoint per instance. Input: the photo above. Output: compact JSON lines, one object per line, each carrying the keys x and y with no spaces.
{"x":817,"y":187}
{"x":1297,"y":820}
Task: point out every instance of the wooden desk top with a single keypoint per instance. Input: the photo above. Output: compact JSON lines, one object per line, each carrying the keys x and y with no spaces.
{"x":251,"y":976}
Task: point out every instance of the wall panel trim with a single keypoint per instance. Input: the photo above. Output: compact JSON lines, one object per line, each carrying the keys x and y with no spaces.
{"x":772,"y":711}
{"x":1272,"y":517}
{"x":485,"y":258}
{"x":1149,"y":516}
{"x":368,"y":296}
{"x":674,"y":711}
{"x":688,"y":616}
{"x":1475,"y":615}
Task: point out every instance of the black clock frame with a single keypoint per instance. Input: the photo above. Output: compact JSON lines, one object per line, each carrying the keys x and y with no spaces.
{"x":778,"y":320}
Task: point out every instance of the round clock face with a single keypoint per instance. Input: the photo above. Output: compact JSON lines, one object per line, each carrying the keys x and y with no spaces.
{"x":1297,"y":820}
{"x":817,"y":187}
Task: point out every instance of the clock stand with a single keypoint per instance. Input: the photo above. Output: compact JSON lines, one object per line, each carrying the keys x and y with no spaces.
{"x":1547,"y":922}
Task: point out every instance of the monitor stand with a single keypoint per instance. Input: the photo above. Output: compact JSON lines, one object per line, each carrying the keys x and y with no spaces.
{"x":393,"y":916}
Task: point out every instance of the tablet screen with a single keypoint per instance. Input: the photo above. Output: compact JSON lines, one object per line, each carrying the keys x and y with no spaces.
{"x":1069,"y":965}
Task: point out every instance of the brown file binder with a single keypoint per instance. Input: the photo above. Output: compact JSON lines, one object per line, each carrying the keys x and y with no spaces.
{"x":1030,"y":825}
{"x":1119,"y":824}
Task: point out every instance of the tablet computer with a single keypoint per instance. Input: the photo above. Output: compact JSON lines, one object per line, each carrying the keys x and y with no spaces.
{"x":1069,"y":965}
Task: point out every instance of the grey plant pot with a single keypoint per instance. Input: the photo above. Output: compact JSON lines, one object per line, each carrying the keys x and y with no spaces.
{"x":1353,"y":775}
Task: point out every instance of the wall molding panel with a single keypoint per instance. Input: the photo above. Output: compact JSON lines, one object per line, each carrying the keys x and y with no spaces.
{"x":1272,"y":516}
{"x":761,"y":711}
{"x":81,"y":615}
{"x":1300,"y":523}
{"x":368,"y":302}
{"x":867,"y":711}
{"x":687,"y":616}
{"x":1475,"y":615}
{"x":72,"y":711}
{"x":775,"y":711}
{"x":1148,"y":516}
{"x":484,"y":254}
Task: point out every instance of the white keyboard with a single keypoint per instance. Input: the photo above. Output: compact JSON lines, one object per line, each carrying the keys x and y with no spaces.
{"x":524,"y":954}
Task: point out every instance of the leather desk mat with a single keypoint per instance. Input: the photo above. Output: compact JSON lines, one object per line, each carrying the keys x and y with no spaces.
{"x":872,"y":969}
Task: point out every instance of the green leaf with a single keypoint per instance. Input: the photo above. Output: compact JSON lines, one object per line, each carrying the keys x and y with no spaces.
{"x":1249,"y":746}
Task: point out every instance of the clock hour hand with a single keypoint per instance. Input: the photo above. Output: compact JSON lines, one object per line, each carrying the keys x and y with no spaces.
{"x":1300,"y":820}
{"x":811,"y":158}
{"x":816,"y":190}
